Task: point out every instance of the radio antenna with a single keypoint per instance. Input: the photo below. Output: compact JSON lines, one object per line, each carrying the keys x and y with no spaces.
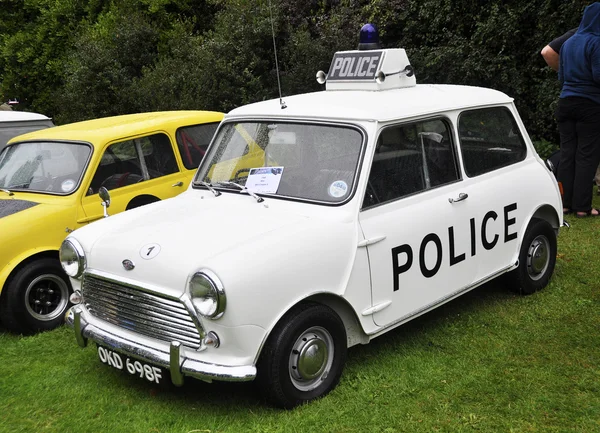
{"x":281,"y":101}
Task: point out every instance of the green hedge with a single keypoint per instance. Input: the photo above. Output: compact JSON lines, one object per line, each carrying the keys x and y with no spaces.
{"x":74,"y":61}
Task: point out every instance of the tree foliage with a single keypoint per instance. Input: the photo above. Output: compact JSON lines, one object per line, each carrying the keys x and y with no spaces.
{"x":75,"y":60}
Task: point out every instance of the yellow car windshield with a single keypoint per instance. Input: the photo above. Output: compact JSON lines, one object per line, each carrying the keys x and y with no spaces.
{"x":297,"y":160}
{"x":47,"y":167}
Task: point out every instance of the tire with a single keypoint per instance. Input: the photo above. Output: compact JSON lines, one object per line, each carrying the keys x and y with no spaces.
{"x":304,"y":356}
{"x":36,"y":297}
{"x":537,"y":258}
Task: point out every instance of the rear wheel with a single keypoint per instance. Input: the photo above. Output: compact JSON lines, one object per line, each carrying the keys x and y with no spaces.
{"x":537,"y":258}
{"x":304,"y":356}
{"x":36,"y":297}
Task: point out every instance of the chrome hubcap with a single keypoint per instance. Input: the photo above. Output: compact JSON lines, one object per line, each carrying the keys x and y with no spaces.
{"x":538,"y":257}
{"x":46,"y":297}
{"x":311,"y":358}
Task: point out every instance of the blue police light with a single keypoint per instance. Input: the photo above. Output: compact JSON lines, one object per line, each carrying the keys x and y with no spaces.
{"x":369,"y":38}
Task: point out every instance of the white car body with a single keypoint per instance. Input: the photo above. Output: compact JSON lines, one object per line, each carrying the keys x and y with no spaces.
{"x":374,"y":266}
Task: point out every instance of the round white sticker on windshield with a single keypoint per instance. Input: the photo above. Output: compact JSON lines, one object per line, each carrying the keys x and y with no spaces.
{"x":338,"y":189}
{"x":67,"y":185}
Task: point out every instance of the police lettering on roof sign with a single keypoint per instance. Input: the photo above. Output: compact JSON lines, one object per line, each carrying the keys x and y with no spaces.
{"x":355,"y":65}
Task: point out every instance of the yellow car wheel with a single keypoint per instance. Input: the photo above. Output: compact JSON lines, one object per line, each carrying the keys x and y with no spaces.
{"x":36,"y":297}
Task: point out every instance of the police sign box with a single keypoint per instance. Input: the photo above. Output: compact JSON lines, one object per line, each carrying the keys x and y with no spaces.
{"x":368,"y":70}
{"x":353,"y":65}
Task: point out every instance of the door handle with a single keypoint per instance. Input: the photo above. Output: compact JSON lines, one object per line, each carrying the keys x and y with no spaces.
{"x":180,"y":183}
{"x":462,"y":196}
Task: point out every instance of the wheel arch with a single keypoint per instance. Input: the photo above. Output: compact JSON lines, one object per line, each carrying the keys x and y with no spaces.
{"x":548,"y":213}
{"x":24,"y":260}
{"x":141,"y":200}
{"x":340,"y":306}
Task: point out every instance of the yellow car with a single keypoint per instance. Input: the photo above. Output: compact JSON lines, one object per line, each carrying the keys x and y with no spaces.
{"x":49,"y":183}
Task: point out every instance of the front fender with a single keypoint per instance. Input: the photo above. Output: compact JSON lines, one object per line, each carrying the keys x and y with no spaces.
{"x":14,"y":263}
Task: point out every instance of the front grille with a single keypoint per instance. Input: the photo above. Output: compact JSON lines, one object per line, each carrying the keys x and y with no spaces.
{"x":138,"y":311}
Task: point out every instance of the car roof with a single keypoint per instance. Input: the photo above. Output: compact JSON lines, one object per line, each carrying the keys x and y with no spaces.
{"x":382,"y":105}
{"x":18,"y":116}
{"x":108,"y":128}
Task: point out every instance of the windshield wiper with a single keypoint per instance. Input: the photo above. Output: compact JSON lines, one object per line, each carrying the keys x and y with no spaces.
{"x":242,"y":189}
{"x":210,"y":188}
{"x":9,"y":192}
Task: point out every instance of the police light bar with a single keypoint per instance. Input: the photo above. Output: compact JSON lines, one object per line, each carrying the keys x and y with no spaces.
{"x":367,"y":68}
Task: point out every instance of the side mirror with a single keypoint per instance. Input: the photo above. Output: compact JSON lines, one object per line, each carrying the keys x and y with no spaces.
{"x":105,"y":197}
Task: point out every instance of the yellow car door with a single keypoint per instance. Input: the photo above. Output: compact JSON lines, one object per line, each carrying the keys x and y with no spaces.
{"x":136,"y":171}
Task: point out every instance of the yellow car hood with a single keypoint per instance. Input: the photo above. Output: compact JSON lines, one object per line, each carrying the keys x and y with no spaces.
{"x":10,"y":207}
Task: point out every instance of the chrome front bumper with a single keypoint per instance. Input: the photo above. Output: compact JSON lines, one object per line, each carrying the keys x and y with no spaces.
{"x":178,"y":360}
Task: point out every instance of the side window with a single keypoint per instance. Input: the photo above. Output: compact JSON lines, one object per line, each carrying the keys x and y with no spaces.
{"x":193,"y":141}
{"x":158,"y":155}
{"x":411,"y":158}
{"x":120,"y":166}
{"x":489,"y":139}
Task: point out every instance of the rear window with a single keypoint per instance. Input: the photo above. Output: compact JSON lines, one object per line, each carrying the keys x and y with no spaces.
{"x":489,"y":139}
{"x":193,"y":141}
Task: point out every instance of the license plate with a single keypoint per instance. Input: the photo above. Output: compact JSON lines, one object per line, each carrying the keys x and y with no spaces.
{"x":131,"y":366}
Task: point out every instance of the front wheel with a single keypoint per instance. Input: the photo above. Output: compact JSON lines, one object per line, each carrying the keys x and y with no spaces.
{"x":304,"y":356}
{"x":537,"y":258}
{"x":36,"y":297}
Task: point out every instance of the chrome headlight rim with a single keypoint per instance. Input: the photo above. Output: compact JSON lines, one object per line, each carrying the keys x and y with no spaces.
{"x":217,"y":289}
{"x":80,"y":257}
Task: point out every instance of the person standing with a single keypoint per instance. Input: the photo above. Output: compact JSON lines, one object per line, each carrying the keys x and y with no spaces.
{"x":578,"y":113}
{"x":551,"y":53}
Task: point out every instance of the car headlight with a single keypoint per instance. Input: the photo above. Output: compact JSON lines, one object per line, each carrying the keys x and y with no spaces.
{"x":72,"y":258}
{"x":207,"y":294}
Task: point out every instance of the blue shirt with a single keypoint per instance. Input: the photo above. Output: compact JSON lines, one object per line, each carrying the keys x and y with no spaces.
{"x":579,"y":70}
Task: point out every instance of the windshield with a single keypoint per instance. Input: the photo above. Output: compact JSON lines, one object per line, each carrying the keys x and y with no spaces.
{"x":298,"y":160}
{"x":43,"y":166}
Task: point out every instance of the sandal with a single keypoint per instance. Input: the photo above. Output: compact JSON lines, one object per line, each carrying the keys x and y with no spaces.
{"x":567,"y":211}
{"x":589,"y":213}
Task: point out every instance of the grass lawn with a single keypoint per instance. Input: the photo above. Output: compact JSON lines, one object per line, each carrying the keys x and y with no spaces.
{"x":490,"y":361}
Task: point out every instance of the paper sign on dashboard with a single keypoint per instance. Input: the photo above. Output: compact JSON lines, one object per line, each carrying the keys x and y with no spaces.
{"x":264,"y":179}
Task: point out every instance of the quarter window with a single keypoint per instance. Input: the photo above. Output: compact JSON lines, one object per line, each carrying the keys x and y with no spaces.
{"x":489,"y":139}
{"x":411,"y":158}
{"x":158,"y":155}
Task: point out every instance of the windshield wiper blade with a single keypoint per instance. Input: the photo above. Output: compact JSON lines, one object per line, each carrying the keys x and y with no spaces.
{"x":9,"y":192}
{"x":243,"y":189}
{"x":210,"y":188}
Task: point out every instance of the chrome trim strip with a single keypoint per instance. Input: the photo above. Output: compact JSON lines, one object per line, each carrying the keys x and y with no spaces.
{"x":159,"y":353}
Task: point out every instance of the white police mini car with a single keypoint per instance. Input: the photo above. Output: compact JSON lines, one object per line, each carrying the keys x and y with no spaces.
{"x":315,"y":224}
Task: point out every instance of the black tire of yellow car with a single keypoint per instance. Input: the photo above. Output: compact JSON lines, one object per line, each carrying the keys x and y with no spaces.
{"x":304,"y":356}
{"x":537,"y":258}
{"x":36,"y":297}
